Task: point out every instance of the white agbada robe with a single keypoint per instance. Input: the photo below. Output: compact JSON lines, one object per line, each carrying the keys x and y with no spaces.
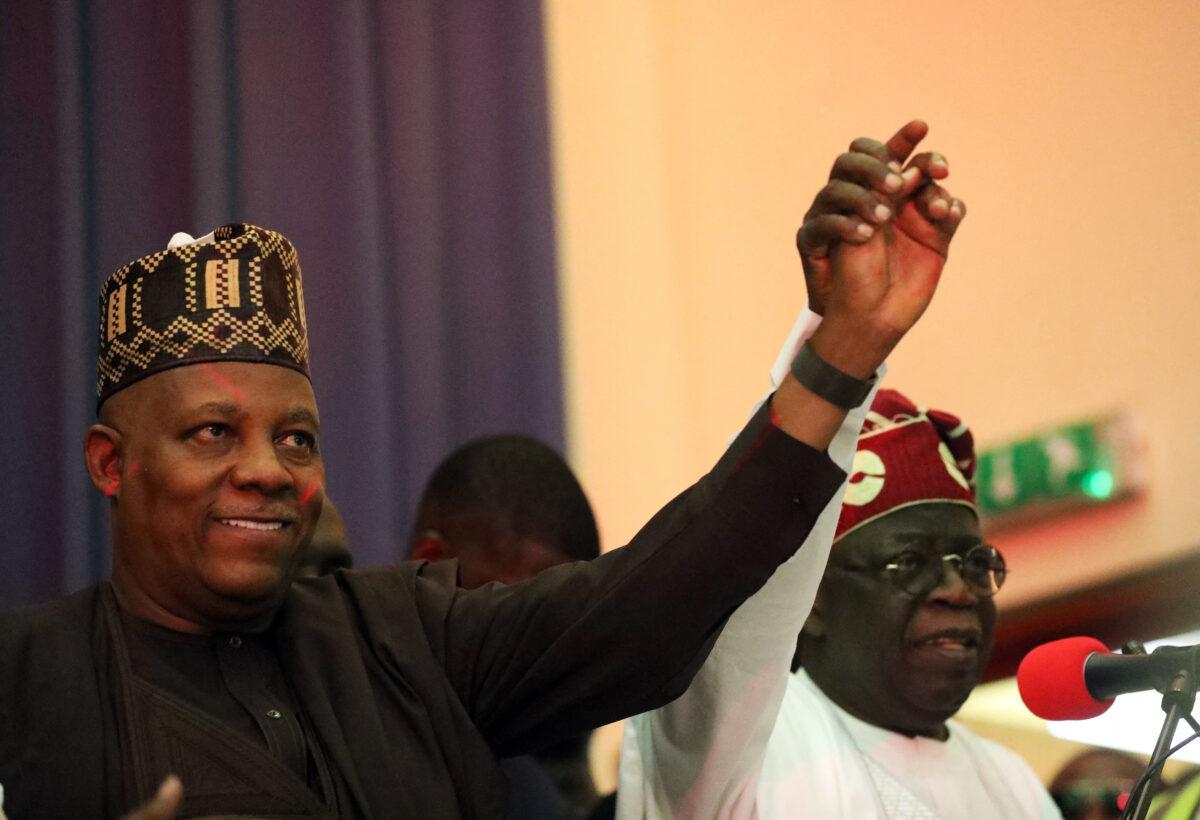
{"x":823,"y":762}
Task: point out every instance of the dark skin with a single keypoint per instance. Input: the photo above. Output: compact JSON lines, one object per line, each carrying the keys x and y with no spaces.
{"x":889,"y":658}
{"x":883,"y":220}
{"x":873,"y":246}
{"x":216,"y":483}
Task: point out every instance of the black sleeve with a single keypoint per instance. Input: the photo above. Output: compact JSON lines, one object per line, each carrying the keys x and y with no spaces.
{"x":591,"y":642}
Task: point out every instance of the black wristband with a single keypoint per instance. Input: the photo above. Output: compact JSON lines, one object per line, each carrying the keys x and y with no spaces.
{"x":831,"y":384}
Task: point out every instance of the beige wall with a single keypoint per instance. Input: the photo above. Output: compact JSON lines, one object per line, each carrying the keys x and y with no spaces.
{"x":691,"y":136}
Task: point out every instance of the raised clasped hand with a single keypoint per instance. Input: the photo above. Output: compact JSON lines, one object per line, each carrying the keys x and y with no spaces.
{"x":875,"y":240}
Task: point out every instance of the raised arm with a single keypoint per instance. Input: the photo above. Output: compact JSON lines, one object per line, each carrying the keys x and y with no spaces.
{"x":872,"y":274}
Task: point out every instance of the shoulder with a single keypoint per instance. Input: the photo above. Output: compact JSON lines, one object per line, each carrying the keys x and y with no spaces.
{"x":381,"y":602}
{"x":374,"y":585}
{"x":1009,"y":765}
{"x":805,"y":761}
{"x":804,"y":700}
{"x":999,"y":753}
{"x":806,"y":726}
{"x":46,"y":653}
{"x":55,"y":621}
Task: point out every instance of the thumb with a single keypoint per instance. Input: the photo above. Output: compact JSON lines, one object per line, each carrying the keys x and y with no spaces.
{"x":164,"y":805}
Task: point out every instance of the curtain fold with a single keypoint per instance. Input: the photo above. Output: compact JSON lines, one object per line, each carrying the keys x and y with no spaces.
{"x":403,"y":147}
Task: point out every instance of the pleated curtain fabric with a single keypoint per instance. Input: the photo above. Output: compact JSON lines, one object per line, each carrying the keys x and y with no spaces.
{"x":402,"y":146}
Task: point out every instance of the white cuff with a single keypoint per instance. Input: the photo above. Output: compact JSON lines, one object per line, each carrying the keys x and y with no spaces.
{"x":806,"y":325}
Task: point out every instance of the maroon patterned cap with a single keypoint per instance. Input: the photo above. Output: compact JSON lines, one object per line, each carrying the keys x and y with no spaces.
{"x":907,"y":455}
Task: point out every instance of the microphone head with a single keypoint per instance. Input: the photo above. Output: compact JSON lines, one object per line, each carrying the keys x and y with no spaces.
{"x":1052,"y":682}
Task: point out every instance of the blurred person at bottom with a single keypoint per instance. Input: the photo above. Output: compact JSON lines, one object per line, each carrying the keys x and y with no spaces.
{"x":507,"y":507}
{"x":1095,"y":784}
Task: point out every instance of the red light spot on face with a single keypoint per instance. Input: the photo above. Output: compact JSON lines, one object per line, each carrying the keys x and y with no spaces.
{"x":307,"y":495}
{"x":224,"y":381}
{"x":1122,"y":801}
{"x":133,"y":468}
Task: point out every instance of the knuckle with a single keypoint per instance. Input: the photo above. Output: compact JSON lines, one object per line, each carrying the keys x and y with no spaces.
{"x":844,"y":162}
{"x":838,"y":189}
{"x":866,"y":145}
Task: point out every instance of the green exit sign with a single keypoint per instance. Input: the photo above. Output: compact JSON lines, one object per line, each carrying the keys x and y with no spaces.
{"x":1084,"y":463}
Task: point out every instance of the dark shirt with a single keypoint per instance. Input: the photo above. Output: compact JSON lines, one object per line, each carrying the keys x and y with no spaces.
{"x":232,"y":678}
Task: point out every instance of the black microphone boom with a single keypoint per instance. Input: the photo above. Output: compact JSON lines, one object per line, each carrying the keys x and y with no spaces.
{"x":1109,"y":675}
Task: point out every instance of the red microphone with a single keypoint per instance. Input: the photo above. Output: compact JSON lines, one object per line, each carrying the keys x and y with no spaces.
{"x":1078,"y":678}
{"x":1053,"y":681}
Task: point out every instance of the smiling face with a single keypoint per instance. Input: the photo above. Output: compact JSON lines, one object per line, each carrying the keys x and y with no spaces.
{"x":892,"y":659}
{"x":217,"y":483}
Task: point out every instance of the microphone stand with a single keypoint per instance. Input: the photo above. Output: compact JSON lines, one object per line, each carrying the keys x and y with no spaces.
{"x":1177,"y":701}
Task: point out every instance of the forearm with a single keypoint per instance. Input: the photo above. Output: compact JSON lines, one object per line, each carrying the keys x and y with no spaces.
{"x":592,"y":642}
{"x":700,"y":755}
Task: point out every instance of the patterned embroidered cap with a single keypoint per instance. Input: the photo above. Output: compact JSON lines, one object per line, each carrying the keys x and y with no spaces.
{"x":234,"y":296}
{"x":907,"y":455}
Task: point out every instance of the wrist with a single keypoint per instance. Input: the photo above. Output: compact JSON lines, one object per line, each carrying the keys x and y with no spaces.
{"x":828,"y":382}
{"x":855,"y":349}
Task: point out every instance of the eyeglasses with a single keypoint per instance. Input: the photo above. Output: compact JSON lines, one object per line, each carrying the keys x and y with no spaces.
{"x":918,"y":573}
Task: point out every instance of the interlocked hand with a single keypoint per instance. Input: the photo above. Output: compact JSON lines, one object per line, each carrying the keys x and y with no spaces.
{"x":875,"y":240}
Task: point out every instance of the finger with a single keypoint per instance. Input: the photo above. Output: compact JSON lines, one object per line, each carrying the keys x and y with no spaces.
{"x":932,"y":165}
{"x":867,"y":171}
{"x":872,"y":148}
{"x":847,"y":198}
{"x":954,"y":218}
{"x":818,"y":233}
{"x":935,"y":204}
{"x":906,"y":139}
{"x":165,"y":804}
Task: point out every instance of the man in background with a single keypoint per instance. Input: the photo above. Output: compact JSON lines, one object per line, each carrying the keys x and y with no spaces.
{"x":329,"y":548}
{"x":507,"y":507}
{"x":1095,"y":784}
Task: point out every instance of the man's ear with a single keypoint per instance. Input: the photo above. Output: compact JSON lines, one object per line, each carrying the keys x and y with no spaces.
{"x":429,"y":545}
{"x":102,"y":453}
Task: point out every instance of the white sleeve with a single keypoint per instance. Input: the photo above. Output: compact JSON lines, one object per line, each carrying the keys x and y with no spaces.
{"x":701,"y":755}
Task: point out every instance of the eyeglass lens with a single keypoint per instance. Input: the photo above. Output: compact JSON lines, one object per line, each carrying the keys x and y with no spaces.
{"x":981,"y":568}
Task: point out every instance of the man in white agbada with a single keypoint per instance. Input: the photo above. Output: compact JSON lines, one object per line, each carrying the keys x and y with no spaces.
{"x":900,"y":629}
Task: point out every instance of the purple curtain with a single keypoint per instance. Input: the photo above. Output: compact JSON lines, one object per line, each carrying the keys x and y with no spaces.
{"x":402,"y":146}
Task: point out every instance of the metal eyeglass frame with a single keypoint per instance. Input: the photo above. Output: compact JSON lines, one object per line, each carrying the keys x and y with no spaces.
{"x":959,"y":560}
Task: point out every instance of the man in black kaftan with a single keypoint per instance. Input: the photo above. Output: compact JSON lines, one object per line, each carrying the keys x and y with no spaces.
{"x":379,"y":693}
